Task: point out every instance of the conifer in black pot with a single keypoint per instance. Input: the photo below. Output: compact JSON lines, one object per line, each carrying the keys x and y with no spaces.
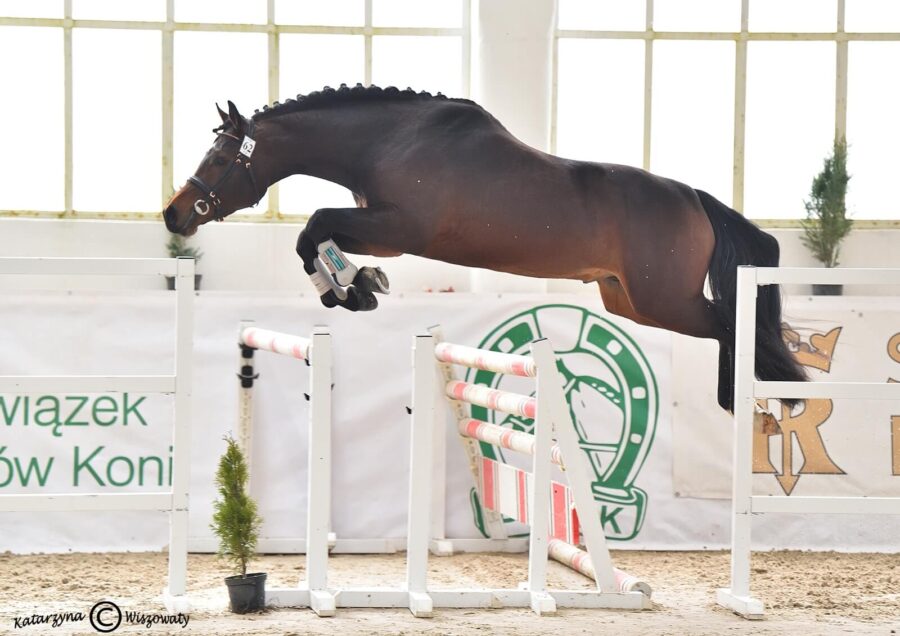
{"x":236,"y":523}
{"x":826,"y":222}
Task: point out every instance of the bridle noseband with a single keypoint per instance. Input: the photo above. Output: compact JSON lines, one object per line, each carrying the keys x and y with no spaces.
{"x":211,"y":199}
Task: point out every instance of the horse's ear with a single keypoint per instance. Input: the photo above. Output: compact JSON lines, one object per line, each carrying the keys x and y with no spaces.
{"x":222,"y":114}
{"x":236,"y":119}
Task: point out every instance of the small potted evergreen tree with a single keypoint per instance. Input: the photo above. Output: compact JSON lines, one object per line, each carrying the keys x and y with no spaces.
{"x":236,"y":523}
{"x":826,"y":222}
{"x":177,"y":246}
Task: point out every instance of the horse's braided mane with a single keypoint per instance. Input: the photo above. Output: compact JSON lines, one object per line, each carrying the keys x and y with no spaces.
{"x":329,"y":96}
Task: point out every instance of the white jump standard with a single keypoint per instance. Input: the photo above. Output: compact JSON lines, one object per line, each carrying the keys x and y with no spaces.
{"x":316,"y":351}
{"x":178,"y":383}
{"x":747,"y":390}
{"x":530,"y":497}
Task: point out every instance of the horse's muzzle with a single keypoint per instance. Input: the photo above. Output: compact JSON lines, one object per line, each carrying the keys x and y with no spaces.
{"x":170,"y":216}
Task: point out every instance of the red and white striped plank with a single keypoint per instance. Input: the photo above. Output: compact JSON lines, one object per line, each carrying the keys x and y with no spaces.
{"x":276,"y":342}
{"x":513,"y":403}
{"x":563,"y":517}
{"x":580,"y":561}
{"x":504,"y":437}
{"x":505,"y":489}
{"x":506,"y":363}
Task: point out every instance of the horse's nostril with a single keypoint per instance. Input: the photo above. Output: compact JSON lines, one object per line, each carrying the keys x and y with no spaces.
{"x":170,"y":216}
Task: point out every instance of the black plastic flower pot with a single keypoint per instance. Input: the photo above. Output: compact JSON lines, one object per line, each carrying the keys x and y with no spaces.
{"x":828,"y":290}
{"x":170,"y":282}
{"x":247,"y":594}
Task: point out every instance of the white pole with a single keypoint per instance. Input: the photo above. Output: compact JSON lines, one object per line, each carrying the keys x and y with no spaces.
{"x":738,"y":597}
{"x":539,"y":497}
{"x":439,"y":461}
{"x":745,"y":367}
{"x":420,"y":474}
{"x":245,"y":401}
{"x":318,"y":519}
{"x":493,"y":521}
{"x":578,"y":473}
{"x":181,"y":434}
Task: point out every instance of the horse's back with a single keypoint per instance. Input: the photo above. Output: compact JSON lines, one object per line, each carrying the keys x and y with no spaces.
{"x":655,"y":231}
{"x":486,"y":199}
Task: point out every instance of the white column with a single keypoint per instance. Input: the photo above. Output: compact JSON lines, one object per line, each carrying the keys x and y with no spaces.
{"x":512,"y":78}
{"x":513,"y":70}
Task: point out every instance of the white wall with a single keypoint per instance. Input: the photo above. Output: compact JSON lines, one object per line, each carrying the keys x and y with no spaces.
{"x":260,"y":257}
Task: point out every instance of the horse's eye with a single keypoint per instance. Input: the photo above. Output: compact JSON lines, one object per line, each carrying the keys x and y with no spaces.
{"x":219,"y":161}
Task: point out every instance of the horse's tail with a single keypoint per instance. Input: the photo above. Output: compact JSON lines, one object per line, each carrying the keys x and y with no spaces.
{"x":740,"y":242}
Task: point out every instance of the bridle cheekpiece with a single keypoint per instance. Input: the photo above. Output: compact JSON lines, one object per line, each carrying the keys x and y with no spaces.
{"x":211,"y":200}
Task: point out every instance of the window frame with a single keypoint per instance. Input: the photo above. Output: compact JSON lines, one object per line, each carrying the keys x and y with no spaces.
{"x":167,"y":30}
{"x":839,"y":36}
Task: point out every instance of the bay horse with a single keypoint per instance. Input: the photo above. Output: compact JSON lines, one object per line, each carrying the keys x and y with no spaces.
{"x":443,"y":179}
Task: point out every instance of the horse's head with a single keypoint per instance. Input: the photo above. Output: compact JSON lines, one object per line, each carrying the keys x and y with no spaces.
{"x":225,"y":180}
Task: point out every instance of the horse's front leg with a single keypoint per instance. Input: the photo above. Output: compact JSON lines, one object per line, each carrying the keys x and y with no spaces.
{"x":376,"y":230}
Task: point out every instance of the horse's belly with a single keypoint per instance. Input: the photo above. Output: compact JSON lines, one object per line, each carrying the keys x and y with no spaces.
{"x":523,"y":253}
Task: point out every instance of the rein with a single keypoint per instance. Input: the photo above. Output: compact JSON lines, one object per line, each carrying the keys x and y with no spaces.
{"x":211,"y":199}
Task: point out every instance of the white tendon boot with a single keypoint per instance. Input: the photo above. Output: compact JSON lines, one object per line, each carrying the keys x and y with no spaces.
{"x":334,"y":271}
{"x":339,"y":265}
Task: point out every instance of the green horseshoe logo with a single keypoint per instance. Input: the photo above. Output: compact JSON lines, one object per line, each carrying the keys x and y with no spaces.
{"x":612,"y":396}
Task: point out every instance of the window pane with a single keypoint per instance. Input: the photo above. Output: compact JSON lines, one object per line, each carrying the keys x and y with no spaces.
{"x":310,"y":62}
{"x":116,"y":110}
{"x":872,"y":15}
{"x":416,"y":13}
{"x":793,"y":15}
{"x":339,"y":59}
{"x":600,"y":111}
{"x":201,"y":81}
{"x":31,"y":9}
{"x":693,"y":138}
{"x":432,"y":64}
{"x":331,"y":13}
{"x":872,"y":131}
{"x":602,"y":15}
{"x":790,"y":124}
{"x":697,"y":15}
{"x":33,"y":131}
{"x":118,"y":10}
{"x":224,"y":11}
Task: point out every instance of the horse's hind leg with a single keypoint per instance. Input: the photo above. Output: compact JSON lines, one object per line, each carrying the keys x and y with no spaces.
{"x":692,"y":316}
{"x":697,"y":317}
{"x":616,"y":301}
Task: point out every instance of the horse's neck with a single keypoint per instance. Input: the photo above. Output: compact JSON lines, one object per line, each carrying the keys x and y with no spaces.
{"x":323,"y":143}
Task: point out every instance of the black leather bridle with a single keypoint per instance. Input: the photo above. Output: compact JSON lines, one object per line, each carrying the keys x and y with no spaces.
{"x":211,"y":199}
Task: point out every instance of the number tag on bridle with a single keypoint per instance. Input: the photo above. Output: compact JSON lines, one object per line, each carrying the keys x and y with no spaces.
{"x":247,"y":146}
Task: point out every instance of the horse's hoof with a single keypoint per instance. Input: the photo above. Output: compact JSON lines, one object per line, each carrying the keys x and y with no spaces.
{"x":330,"y":299}
{"x":372,"y":279}
{"x":359,"y":300}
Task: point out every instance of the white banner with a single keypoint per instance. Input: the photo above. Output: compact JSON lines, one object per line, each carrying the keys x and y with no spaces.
{"x":616,"y":369}
{"x":824,"y":447}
